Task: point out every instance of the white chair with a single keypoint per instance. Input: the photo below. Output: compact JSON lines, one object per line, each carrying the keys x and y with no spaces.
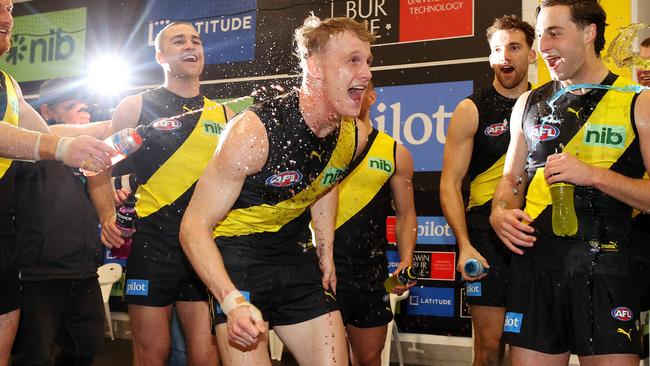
{"x":108,"y":275}
{"x":392,"y":333}
{"x":275,"y":345}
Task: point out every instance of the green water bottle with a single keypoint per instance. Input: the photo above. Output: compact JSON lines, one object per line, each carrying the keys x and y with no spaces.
{"x":405,"y":276}
{"x":565,"y":222}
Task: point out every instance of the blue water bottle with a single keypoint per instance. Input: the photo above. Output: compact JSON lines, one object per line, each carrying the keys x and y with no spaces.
{"x":474,"y":268}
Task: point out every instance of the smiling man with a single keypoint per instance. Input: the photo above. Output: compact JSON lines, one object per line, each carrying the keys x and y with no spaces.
{"x":476,"y":145}
{"x":166,"y":168}
{"x":275,"y":170}
{"x":573,"y":294}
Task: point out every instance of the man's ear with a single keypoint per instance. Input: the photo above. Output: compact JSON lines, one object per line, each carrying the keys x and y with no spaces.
{"x":45,"y":111}
{"x":590,"y":33}
{"x":315,"y":67}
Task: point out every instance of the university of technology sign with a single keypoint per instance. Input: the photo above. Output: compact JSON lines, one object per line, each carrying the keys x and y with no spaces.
{"x":418,"y":116}
{"x":47,"y":45}
{"x":226,"y":27}
{"x":410,"y":20}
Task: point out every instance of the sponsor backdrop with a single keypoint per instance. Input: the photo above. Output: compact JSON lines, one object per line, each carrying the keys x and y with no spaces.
{"x":428,"y":57}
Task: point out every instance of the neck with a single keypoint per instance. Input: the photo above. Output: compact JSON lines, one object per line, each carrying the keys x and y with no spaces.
{"x":512,"y":93}
{"x":593,"y":71}
{"x":320,"y":119}
{"x":186,"y":87}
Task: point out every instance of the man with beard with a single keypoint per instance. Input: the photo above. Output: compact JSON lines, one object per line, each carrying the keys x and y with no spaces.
{"x":476,"y":144}
{"x":167,"y":167}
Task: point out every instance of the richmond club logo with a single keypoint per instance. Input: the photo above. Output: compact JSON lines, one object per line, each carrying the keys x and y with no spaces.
{"x":284,"y":179}
{"x":543,"y":132}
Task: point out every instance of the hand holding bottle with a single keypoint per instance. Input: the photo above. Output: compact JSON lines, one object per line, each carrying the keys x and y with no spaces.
{"x":401,"y":281}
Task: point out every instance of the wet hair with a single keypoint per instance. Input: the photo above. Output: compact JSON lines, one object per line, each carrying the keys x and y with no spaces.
{"x":158,"y":40}
{"x":646,"y":42}
{"x":313,"y":35}
{"x":583,"y":14}
{"x":512,"y":22}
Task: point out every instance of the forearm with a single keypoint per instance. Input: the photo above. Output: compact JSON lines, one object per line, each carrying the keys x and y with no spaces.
{"x":507,"y":194}
{"x":101,"y":193}
{"x":406,"y":233}
{"x":631,"y":191}
{"x":451,"y":201}
{"x":18,"y":143}
{"x":203,"y":254}
{"x":98,"y":130}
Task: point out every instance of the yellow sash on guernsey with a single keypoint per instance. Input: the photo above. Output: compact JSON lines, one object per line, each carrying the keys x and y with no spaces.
{"x":270,"y":218}
{"x":611,"y":114}
{"x":481,"y":189}
{"x":365,"y":181}
{"x":11,"y":113}
{"x":185,"y":166}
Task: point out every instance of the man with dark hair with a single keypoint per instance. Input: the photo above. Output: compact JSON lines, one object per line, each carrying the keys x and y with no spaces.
{"x":573,"y":293}
{"x":166,"y":170}
{"x":58,"y":251}
{"x":477,"y":141}
{"x":275,"y":171}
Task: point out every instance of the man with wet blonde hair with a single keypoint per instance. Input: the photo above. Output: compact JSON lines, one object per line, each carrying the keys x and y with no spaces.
{"x":276,"y":170}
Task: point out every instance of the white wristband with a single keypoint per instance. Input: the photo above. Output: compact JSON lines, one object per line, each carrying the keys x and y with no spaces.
{"x":62,"y":147}
{"x":233,"y":300}
{"x":37,"y":146}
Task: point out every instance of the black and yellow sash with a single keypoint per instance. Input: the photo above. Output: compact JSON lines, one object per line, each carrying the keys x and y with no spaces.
{"x":362,"y":185}
{"x":271,"y":218}
{"x":185,"y":166}
{"x":11,"y":114}
{"x":481,"y":188}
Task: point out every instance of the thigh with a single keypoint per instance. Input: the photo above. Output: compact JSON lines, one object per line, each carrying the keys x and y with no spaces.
{"x":195,"y":321}
{"x":366,"y":344}
{"x":232,"y":356}
{"x":150,"y":327}
{"x":612,"y":359}
{"x":488,"y":322}
{"x":526,"y":357}
{"x":319,"y":341}
{"x":8,"y":327}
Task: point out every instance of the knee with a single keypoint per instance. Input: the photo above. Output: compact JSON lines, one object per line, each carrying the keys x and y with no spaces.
{"x":368,"y":359}
{"x":490,"y":353}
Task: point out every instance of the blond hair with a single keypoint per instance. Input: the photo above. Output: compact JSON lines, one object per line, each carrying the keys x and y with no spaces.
{"x":313,"y":35}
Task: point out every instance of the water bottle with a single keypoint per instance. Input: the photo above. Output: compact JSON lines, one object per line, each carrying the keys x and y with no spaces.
{"x":125,"y":142}
{"x":474,"y":268}
{"x":405,"y":276}
{"x":565,"y":222}
{"x":125,"y":221}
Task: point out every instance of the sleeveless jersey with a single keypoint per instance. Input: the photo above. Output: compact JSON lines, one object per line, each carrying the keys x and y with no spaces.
{"x":598,"y":128}
{"x":364,"y":202}
{"x":488,"y":153}
{"x":172,"y":159}
{"x":269,"y":220}
{"x":10,"y":112}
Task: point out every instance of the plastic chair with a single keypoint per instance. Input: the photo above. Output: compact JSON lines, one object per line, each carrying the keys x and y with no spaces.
{"x":392,"y":333}
{"x":108,"y":275}
{"x":275,"y":345}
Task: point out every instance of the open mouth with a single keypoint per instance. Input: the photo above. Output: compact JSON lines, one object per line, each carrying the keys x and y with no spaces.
{"x":553,"y":61}
{"x":190,"y":58}
{"x":4,"y":31}
{"x":507,"y":69}
{"x":356,"y":93}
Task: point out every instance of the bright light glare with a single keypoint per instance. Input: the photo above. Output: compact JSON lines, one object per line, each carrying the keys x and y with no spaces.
{"x":108,"y":75}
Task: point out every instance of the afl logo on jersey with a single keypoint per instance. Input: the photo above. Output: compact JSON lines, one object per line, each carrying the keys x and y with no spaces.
{"x":166,"y":124}
{"x":544,"y":132}
{"x":622,"y":313}
{"x":284,"y":179}
{"x":496,"y":129}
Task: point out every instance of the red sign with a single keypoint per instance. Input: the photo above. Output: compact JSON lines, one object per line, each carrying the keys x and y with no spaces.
{"x":422,"y":20}
{"x":443,"y":266}
{"x":390,"y":229}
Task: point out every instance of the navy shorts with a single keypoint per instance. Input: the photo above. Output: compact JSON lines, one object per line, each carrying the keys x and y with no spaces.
{"x":9,"y":284}
{"x":492,"y":289}
{"x":363,"y":303}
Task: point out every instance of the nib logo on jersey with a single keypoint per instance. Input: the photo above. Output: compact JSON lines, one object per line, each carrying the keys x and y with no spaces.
{"x":431,"y":301}
{"x":418,"y":116}
{"x":226,"y":27}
